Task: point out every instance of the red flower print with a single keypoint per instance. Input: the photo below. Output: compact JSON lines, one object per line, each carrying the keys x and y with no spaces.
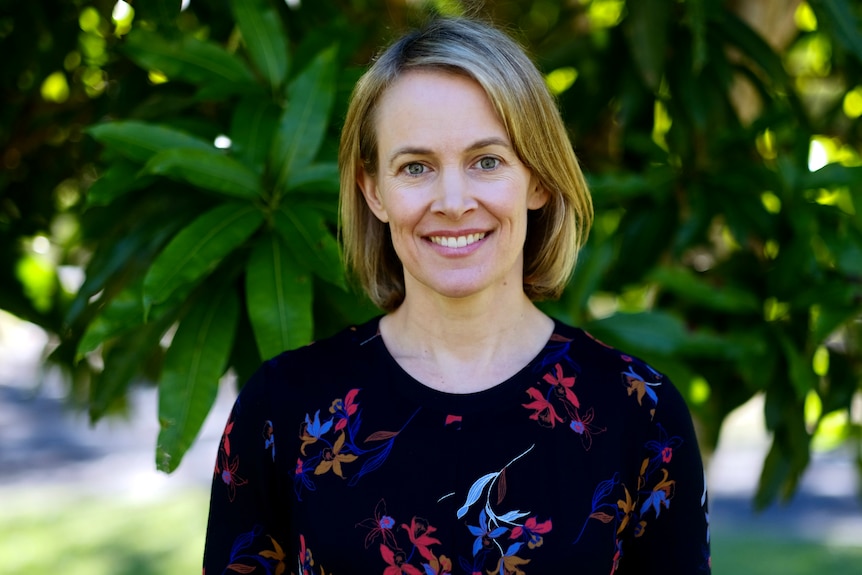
{"x":225,"y":438}
{"x":344,"y":408}
{"x":452,"y":419}
{"x":532,"y":531}
{"x":420,"y":536}
{"x":397,"y":561}
{"x":666,"y":454}
{"x":563,"y":385}
{"x":544,"y":412}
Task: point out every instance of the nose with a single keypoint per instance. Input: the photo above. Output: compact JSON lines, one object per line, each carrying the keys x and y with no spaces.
{"x":453,"y":194}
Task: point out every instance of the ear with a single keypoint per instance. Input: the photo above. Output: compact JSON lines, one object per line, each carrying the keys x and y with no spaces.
{"x":538,"y":196}
{"x":368,"y":184}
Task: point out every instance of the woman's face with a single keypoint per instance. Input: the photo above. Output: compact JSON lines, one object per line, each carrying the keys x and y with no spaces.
{"x":450,"y":186}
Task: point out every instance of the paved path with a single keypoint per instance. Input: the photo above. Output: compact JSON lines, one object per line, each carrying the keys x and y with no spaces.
{"x":47,"y":447}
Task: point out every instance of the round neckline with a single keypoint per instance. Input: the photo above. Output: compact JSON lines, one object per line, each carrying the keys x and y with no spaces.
{"x":506,"y":393}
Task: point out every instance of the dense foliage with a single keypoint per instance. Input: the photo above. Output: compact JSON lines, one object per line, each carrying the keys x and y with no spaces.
{"x":186,"y":160}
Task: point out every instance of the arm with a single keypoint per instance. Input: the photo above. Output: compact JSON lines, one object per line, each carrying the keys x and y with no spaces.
{"x":242,"y":534}
{"x":669,"y":531}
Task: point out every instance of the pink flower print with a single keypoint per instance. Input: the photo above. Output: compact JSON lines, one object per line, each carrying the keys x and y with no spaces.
{"x":344,"y":408}
{"x":563,"y":385}
{"x":420,"y":536}
{"x":543,"y":411}
{"x":584,"y":427}
{"x":379,"y":526}
{"x":532,"y":531}
{"x":667,"y":454}
{"x":228,"y":474}
{"x":397,"y":561}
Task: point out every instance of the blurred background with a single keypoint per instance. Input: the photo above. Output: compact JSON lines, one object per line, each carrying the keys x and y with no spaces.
{"x":168,"y":200}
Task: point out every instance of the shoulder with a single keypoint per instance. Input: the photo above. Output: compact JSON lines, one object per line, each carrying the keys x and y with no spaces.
{"x":633,"y":377}
{"x":313,"y":368}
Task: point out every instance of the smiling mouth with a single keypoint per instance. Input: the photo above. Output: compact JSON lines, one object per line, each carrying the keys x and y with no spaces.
{"x":457,"y":241}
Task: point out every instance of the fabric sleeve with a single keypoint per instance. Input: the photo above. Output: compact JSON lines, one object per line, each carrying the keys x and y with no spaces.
{"x":242,"y":534}
{"x":668,"y":529}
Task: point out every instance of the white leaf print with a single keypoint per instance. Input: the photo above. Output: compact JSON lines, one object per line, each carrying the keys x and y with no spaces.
{"x":476,"y":492}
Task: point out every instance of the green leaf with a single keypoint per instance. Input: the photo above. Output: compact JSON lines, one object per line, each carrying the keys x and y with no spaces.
{"x":194,"y":363}
{"x":303,"y":124}
{"x":278,"y":296}
{"x":839,"y":16}
{"x":265,"y":38}
{"x":211,"y":170}
{"x":799,"y":368}
{"x":325,"y":175}
{"x":252,"y":129}
{"x":696,"y":289}
{"x":313,"y":245}
{"x":138,"y":141}
{"x":197,"y":249}
{"x":753,"y":46}
{"x":696,"y":11}
{"x":120,"y":178}
{"x":189,"y":59}
{"x":125,"y":359}
{"x":830,"y":176}
{"x":123,"y":312}
{"x":646,"y":30}
{"x":648,"y":333}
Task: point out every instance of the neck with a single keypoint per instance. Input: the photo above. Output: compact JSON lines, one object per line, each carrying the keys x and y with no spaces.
{"x":463,"y":346}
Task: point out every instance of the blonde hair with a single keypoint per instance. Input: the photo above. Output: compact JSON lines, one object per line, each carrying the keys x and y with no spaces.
{"x":532,"y":120}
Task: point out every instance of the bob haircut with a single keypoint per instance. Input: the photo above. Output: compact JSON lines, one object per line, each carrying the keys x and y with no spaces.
{"x":530,"y":116}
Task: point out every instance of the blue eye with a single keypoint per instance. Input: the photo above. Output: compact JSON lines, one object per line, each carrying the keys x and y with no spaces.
{"x":488,"y":163}
{"x":414,"y":169}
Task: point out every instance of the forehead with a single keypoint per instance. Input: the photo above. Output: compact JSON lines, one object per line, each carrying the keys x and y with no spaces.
{"x":432,"y":104}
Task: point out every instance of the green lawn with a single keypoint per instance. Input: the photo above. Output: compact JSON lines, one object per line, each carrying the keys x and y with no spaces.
{"x":51,"y":532}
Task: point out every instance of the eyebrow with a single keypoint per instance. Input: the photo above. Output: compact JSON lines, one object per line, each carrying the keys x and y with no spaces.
{"x":477,"y":145}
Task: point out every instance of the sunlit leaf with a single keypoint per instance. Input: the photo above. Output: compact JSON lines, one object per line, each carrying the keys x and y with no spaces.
{"x":303,"y":124}
{"x":138,"y":141}
{"x":265,"y":37}
{"x":194,"y":363}
{"x":189,"y":59}
{"x":208,"y":169}
{"x":278,"y":295}
{"x":197,"y":249}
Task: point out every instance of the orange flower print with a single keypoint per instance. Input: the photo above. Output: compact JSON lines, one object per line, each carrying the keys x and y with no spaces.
{"x":277,"y":554}
{"x":627,"y":509}
{"x":397,"y":561}
{"x":332,"y":458}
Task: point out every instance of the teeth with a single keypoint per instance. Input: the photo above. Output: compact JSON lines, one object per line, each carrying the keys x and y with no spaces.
{"x":457,"y":242}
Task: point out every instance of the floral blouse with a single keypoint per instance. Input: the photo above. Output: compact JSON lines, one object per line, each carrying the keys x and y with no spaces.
{"x":335,"y":461}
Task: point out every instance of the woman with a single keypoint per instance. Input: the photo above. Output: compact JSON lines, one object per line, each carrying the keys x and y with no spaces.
{"x":464,"y":431}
